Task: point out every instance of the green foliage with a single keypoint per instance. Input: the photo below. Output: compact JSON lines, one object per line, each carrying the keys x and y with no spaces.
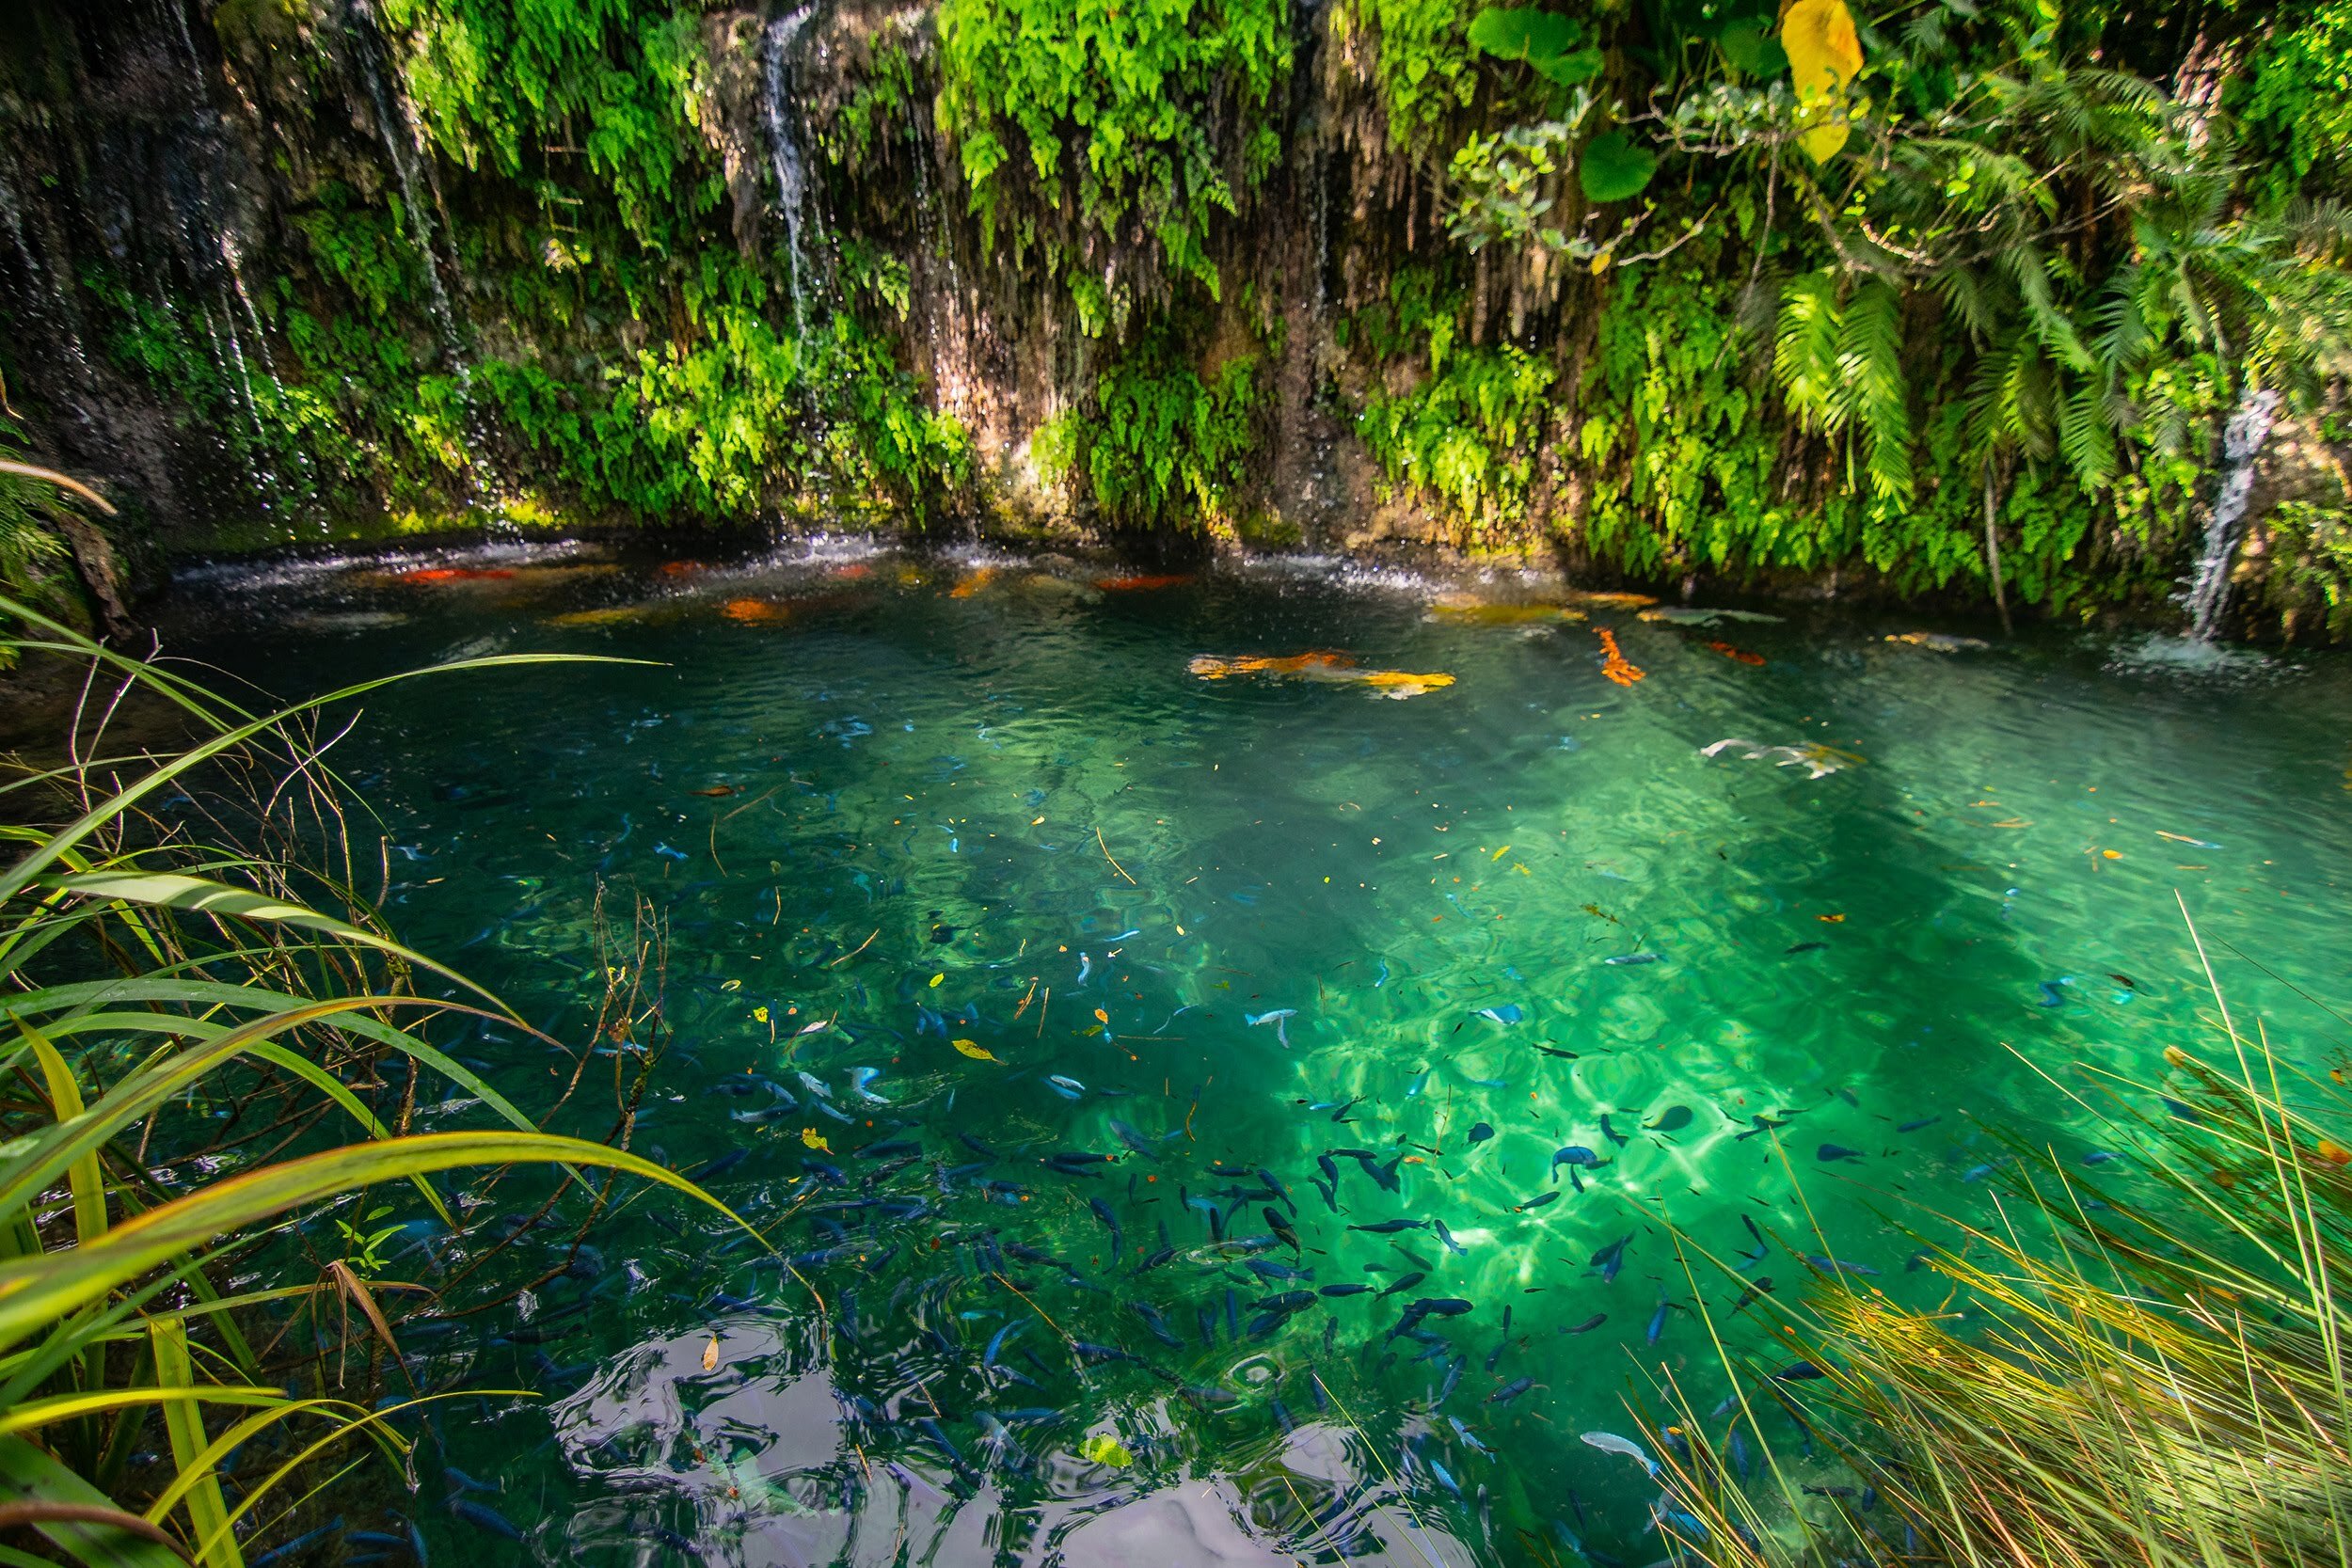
{"x":1166,"y":442}
{"x":32,"y":558}
{"x":1123,"y":100}
{"x":621,"y":80}
{"x":1423,"y":65}
{"x":1839,"y":356}
{"x":2309,"y":550}
{"x":1553,"y":45}
{"x":1614,"y":167}
{"x":882,"y":105}
{"x":1470,"y":431}
{"x":2294,"y":99}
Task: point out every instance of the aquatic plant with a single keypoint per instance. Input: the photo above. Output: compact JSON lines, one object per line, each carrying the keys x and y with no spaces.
{"x":2148,"y":1369}
{"x":219,"y":1049}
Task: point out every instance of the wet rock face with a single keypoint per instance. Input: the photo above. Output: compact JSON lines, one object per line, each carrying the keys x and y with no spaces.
{"x":167,"y":163}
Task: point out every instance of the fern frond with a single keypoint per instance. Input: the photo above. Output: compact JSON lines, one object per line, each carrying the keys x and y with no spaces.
{"x":1871,"y":374}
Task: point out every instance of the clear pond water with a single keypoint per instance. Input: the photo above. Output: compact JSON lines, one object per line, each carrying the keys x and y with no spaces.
{"x":982,"y":829}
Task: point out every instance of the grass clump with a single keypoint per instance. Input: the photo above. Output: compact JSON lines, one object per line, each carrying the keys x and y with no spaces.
{"x":214,"y":1050}
{"x":2148,"y":1369}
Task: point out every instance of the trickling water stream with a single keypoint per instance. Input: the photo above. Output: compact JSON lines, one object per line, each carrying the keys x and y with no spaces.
{"x":2241,"y":444}
{"x":783,"y":143}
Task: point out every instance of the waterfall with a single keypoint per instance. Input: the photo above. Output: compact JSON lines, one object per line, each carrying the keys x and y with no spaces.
{"x":791,"y":168}
{"x":396,"y":128}
{"x":208,"y":251}
{"x":2241,"y":443}
{"x":400,"y":145}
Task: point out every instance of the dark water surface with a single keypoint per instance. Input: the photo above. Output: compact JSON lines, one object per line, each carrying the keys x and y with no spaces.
{"x":991,"y":805}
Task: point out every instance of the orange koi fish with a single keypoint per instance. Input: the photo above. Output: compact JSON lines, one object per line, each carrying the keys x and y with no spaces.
{"x":1741,"y":654}
{"x":452,"y":574}
{"x":1617,"y":666}
{"x":1132,"y":585}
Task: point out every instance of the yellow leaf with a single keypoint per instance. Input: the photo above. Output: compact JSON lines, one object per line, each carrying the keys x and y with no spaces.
{"x":814,"y":1139}
{"x":936,"y":978}
{"x":973,"y":1049}
{"x":1824,"y":142}
{"x":1103,"y":1448}
{"x":710,"y":1354}
{"x":731,"y":985}
{"x":1825,"y":54}
{"x":760,"y":1013}
{"x":1500,"y":853}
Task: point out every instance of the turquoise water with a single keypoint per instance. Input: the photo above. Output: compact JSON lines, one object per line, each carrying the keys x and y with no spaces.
{"x":986,"y":802}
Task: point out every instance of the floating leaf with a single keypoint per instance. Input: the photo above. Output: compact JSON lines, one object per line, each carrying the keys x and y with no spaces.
{"x":936,"y":978}
{"x":1522,"y":33}
{"x":710,"y":1354}
{"x":1614,"y":166}
{"x":973,"y":1049}
{"x":814,"y":1139}
{"x":1102,"y":1448}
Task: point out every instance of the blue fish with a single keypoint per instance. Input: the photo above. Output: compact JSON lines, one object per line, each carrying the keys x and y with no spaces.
{"x":1068,"y":1088}
{"x":2050,"y":997}
{"x":1480,"y":1133}
{"x":1829,"y":1154}
{"x":1609,"y":1259}
{"x":1469,"y":1439}
{"x":1506,"y":1015}
{"x":482,"y":1517}
{"x":659,"y":848}
{"x":1420,"y":1082}
{"x":858,"y":1078}
{"x":1110,"y":1223}
{"x":1511,"y":1391}
{"x":718,"y":1166}
{"x":1447,"y":1236}
{"x":1134,"y":1139}
{"x":1636,"y":959}
{"x":1575,"y":1156}
{"x":2100,"y":1157}
{"x":1537,"y":1202}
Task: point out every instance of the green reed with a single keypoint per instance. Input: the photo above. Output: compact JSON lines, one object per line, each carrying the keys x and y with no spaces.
{"x":189,"y":976}
{"x":2147,"y":1369}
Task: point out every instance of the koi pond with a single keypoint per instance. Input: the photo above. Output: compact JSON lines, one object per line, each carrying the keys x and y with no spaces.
{"x":1225,"y":1059}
